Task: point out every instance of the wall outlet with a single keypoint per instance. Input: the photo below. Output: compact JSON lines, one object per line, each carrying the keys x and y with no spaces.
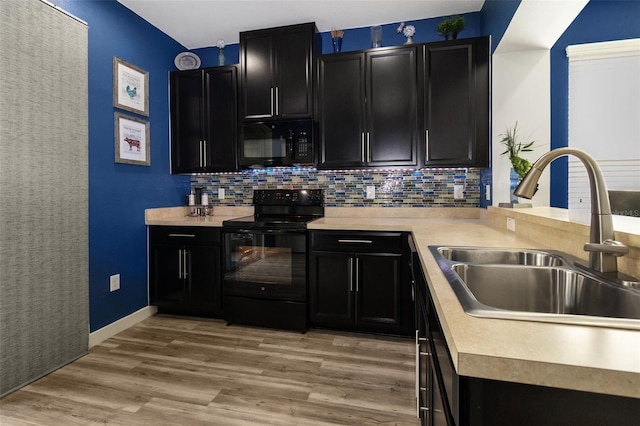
{"x":220,"y":193}
{"x":371,"y":192}
{"x":511,"y":224}
{"x":114,"y":282}
{"x":458,"y":192}
{"x":487,"y":192}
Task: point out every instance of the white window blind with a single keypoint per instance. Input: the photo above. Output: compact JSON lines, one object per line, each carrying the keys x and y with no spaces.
{"x":604,"y":115}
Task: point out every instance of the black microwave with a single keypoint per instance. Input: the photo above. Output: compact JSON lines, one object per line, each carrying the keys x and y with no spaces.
{"x":277,"y":144}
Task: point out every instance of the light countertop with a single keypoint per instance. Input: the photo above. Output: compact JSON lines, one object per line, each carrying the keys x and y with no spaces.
{"x":177,"y":216}
{"x":594,"y":359}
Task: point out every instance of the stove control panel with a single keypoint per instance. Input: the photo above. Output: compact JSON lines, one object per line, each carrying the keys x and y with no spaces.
{"x":298,"y":197}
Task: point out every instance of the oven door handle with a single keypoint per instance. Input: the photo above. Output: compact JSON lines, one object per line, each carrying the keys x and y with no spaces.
{"x":266,"y":231}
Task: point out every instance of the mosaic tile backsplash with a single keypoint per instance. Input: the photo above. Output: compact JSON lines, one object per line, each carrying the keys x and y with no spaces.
{"x":394,"y":188}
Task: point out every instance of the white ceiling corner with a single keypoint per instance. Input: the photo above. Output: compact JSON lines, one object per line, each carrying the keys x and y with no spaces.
{"x":200,"y":23}
{"x":538,"y":24}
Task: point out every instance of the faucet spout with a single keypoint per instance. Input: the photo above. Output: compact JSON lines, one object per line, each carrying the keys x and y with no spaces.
{"x":602,"y":247}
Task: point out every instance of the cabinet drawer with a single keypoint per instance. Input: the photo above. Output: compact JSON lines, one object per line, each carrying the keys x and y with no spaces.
{"x":183,"y":235}
{"x":357,"y":241}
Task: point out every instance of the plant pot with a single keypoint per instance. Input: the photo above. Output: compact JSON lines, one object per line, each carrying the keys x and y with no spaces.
{"x":451,"y":35}
{"x":514,"y":180}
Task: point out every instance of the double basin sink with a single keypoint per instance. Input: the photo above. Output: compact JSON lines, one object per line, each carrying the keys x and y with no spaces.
{"x":534,"y":285}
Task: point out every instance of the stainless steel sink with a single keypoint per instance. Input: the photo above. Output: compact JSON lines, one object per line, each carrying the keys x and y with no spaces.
{"x":534,"y":285}
{"x":501,"y":256}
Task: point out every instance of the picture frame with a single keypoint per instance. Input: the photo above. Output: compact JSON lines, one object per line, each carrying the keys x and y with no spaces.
{"x":132,"y":143}
{"x":130,"y":87}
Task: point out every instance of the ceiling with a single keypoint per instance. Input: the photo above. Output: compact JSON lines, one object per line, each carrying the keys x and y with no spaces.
{"x":200,"y":23}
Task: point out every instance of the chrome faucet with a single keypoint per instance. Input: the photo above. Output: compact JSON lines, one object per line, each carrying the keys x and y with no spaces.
{"x":603,"y":249}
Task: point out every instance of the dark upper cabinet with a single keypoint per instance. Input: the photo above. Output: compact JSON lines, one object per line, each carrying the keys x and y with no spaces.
{"x":341,"y":110}
{"x":186,"y":121}
{"x":221,"y":118}
{"x":277,"y":69}
{"x":368,"y":109}
{"x":456,"y":102}
{"x":204,"y":105}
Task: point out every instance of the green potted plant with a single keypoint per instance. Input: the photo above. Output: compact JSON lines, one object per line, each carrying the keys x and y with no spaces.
{"x":514,"y":147}
{"x":449,"y":28}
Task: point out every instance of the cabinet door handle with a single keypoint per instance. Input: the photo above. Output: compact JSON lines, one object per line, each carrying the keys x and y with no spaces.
{"x":180,"y":264}
{"x":368,"y":147}
{"x":426,"y":145}
{"x":271,"y":103}
{"x":357,"y":274}
{"x":356,"y":241}
{"x":183,"y":235}
{"x":350,"y":274}
{"x":277,"y":100}
{"x":417,"y":363}
{"x":204,"y":153}
{"x":200,"y":153}
{"x":363,"y":148}
{"x":184,"y":264}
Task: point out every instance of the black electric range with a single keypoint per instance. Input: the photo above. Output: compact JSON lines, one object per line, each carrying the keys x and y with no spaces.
{"x":281,"y":209}
{"x":265,"y":259}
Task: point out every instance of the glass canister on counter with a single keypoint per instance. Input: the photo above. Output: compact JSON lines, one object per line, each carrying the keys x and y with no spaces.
{"x":198,"y":204}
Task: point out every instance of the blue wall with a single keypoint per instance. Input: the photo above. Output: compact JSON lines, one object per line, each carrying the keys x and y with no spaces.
{"x":496,"y":16}
{"x":600,"y":20}
{"x":119,"y":193}
{"x":360,"y":38}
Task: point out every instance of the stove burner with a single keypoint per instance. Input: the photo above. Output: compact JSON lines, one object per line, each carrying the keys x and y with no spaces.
{"x":282,"y":209}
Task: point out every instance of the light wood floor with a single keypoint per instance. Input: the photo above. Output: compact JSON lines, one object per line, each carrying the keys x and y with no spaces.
{"x":183,"y":371}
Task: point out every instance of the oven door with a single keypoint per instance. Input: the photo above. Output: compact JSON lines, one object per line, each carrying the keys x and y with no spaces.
{"x":266,"y":264}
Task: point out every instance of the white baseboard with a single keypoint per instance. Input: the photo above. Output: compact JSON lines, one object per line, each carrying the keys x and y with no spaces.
{"x":122,"y":324}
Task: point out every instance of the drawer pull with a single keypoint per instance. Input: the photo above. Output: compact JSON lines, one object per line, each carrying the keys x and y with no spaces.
{"x":356,"y":241}
{"x":182,"y":235}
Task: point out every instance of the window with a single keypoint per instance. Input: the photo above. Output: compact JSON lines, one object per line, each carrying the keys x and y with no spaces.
{"x":604,"y":115}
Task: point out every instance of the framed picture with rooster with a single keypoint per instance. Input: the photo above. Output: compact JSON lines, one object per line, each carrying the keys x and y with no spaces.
{"x":130,"y":87}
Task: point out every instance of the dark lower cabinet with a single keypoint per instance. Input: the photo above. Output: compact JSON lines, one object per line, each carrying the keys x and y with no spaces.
{"x":358,"y":281}
{"x":184,"y":270}
{"x":446,"y":398}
